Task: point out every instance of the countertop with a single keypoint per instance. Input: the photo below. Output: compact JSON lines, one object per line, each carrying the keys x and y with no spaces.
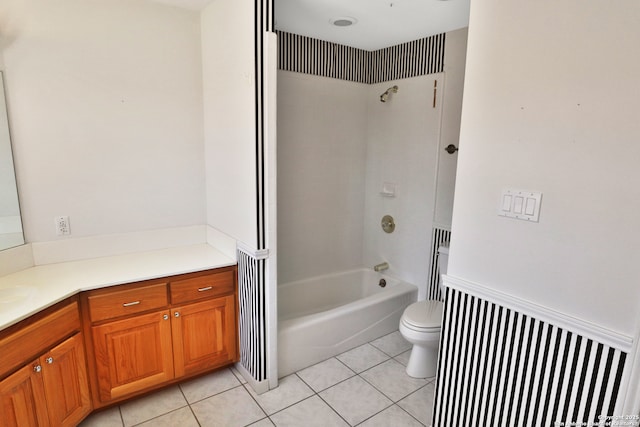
{"x":51,"y":283}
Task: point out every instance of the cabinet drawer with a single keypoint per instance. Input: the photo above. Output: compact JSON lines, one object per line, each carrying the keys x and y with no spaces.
{"x":127,"y":302}
{"x":34,"y":338}
{"x":202,"y":287}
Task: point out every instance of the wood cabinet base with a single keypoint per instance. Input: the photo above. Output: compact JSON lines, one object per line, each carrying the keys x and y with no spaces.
{"x":144,"y":336}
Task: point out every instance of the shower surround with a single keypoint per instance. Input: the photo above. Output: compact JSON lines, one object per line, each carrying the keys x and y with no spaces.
{"x":338,"y":146}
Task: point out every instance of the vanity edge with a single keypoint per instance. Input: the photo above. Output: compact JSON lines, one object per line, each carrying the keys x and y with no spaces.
{"x":53,"y":283}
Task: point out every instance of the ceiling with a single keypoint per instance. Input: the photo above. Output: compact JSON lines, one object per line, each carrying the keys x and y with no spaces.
{"x":378,"y":23}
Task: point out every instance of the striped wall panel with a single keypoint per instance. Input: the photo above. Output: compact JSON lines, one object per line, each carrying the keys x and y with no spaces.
{"x":416,"y":58}
{"x":307,"y":55}
{"x":498,"y":367}
{"x":252,"y":314}
{"x":438,"y":237}
{"x":317,"y":57}
{"x":252,"y":269}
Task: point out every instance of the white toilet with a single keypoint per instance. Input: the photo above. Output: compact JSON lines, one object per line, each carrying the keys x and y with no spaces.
{"x":420,"y":325}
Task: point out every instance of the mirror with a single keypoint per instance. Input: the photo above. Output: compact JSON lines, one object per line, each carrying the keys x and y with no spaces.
{"x":10,"y":222}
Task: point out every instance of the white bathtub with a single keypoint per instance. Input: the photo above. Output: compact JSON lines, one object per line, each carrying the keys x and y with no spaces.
{"x":327,"y":315}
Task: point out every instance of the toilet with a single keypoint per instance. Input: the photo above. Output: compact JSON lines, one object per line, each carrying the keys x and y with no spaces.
{"x":420,"y":325}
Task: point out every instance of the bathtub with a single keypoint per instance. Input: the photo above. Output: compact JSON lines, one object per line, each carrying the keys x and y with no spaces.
{"x":326,"y":315}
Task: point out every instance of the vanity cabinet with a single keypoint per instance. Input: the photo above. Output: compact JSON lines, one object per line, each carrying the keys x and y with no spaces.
{"x":149,"y":334}
{"x":133,"y":354}
{"x":53,"y":389}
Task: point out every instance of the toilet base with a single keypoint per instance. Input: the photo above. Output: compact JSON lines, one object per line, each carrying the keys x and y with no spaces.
{"x":423,"y":361}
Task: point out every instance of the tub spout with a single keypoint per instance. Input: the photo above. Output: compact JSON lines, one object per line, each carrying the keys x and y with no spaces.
{"x":381,"y":267}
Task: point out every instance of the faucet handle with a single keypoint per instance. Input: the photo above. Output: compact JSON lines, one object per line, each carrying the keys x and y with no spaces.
{"x":381,"y":266}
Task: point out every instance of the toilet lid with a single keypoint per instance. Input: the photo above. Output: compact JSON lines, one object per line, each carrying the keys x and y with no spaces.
{"x":424,"y":314}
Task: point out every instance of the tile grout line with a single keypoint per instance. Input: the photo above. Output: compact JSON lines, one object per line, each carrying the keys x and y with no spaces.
{"x":316,"y":393}
{"x":121,"y":417}
{"x":189,"y":405}
{"x":257,"y":403}
{"x":352,"y":371}
{"x":358,"y":374}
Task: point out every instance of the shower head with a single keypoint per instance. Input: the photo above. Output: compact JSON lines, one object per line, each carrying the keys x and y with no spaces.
{"x":385,"y":95}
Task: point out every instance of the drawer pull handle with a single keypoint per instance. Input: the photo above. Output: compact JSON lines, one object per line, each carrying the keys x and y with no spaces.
{"x":129,"y":304}
{"x":208,"y":288}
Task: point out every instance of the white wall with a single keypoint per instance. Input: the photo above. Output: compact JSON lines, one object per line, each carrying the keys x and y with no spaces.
{"x":402,"y":149}
{"x":105,"y":99}
{"x":551,"y":104}
{"x":321,"y":169}
{"x":454,"y":62}
{"x":229,"y":118}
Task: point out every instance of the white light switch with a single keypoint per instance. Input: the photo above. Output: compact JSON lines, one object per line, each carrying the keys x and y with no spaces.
{"x":517,"y":204}
{"x":530,"y":207}
{"x":506,"y":202}
{"x":520,"y":204}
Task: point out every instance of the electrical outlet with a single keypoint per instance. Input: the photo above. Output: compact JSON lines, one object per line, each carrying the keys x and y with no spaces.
{"x":62,"y":226}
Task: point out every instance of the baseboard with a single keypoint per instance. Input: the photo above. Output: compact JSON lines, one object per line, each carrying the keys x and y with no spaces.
{"x":259,"y":387}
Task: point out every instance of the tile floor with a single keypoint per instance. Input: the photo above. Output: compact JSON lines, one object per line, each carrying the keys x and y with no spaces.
{"x":366,"y":386}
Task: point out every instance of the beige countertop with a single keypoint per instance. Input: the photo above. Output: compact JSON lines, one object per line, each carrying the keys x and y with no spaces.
{"x":27,"y":292}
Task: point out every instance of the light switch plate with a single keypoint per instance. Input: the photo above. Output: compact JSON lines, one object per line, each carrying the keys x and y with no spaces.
{"x":520,"y":204}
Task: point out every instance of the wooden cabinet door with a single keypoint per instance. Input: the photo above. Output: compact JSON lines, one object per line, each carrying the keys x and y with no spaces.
{"x":22,"y":399}
{"x":204,"y":335}
{"x":133,"y":354}
{"x":64,"y":373}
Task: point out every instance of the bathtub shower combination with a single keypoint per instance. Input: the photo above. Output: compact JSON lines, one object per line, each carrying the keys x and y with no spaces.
{"x":326,"y":315}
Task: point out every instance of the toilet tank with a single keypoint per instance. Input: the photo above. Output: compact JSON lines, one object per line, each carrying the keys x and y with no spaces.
{"x":443,"y":261}
{"x":443,"y":258}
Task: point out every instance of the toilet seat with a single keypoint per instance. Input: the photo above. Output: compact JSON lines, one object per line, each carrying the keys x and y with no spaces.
{"x":424,"y":316}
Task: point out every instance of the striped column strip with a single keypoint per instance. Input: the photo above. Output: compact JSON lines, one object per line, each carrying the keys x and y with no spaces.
{"x":438,"y":237}
{"x":326,"y":59}
{"x":252,"y":270}
{"x":263,"y":18}
{"x":252,"y":316}
{"x":498,"y":367}
{"x":263,"y":23}
{"x":269,"y":16}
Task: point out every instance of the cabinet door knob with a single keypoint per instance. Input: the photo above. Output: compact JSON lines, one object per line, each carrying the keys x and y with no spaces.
{"x":37,"y":368}
{"x":176,"y":314}
{"x":165,"y":317}
{"x":49,"y":360}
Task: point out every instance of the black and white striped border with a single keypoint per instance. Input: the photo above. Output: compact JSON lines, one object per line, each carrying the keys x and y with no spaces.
{"x":416,"y":58}
{"x":498,"y":367}
{"x":438,"y":237}
{"x":252,"y":313}
{"x":317,"y":57}
{"x":326,"y":59}
{"x":264,"y":19}
{"x":252,"y":264}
